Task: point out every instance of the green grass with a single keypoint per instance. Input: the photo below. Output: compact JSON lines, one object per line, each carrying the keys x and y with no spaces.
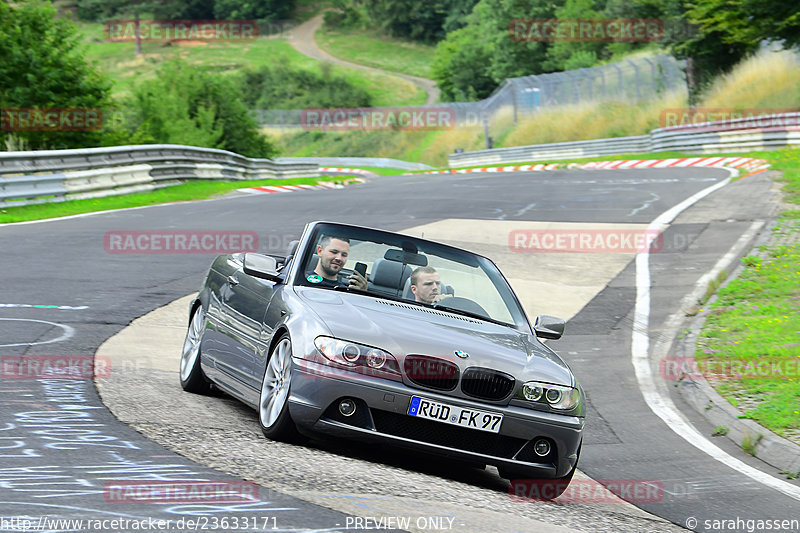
{"x":749,"y":444}
{"x":119,"y":62}
{"x":368,"y":47}
{"x":380,"y":171}
{"x":194,"y":190}
{"x":751,"y":338}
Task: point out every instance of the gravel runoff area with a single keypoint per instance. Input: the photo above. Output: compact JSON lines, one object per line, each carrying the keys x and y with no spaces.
{"x":143,"y":391}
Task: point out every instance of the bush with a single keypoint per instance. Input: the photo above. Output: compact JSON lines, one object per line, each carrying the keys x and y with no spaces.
{"x":185,"y":105}
{"x":281,"y":87}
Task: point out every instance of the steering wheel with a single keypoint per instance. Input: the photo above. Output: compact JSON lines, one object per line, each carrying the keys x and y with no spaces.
{"x":462,"y":304}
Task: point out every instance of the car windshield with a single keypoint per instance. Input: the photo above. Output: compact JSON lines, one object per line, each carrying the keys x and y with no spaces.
{"x":406,"y":268}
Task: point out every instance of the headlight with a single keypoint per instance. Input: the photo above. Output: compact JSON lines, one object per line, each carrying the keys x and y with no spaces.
{"x":555,"y":396}
{"x":360,"y":358}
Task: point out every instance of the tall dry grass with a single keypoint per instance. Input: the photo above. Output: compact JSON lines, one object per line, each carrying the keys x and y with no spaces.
{"x":769,"y":80}
{"x":593,"y":120}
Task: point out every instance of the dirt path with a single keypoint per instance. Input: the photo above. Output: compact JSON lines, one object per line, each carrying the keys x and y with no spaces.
{"x":302,"y":39}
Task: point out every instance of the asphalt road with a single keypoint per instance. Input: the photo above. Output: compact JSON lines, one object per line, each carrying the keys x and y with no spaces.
{"x":66,"y":263}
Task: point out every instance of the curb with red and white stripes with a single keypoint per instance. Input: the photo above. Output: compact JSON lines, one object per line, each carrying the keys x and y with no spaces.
{"x":747,"y":163}
{"x":269,"y":189}
{"x":348,"y":171}
{"x":288,"y":188}
{"x":519,"y":168}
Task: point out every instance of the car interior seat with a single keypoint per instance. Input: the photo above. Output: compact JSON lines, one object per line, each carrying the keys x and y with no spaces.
{"x":388,"y":277}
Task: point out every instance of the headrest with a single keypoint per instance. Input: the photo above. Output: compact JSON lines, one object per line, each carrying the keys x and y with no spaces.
{"x":388,"y":273}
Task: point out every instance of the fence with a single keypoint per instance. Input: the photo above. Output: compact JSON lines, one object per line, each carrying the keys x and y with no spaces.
{"x":55,"y":175}
{"x":631,"y":80}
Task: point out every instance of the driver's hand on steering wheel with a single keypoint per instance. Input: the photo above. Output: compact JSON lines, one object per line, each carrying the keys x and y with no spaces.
{"x":439,"y":297}
{"x":357,"y":281}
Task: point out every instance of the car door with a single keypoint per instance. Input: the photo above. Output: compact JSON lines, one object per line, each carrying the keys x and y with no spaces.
{"x":244,"y":306}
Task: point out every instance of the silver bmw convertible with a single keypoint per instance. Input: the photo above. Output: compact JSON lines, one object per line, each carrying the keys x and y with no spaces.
{"x":378,"y":336}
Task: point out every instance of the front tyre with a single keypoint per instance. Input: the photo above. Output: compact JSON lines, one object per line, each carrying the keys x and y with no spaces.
{"x":273,"y":402}
{"x":192,"y":377}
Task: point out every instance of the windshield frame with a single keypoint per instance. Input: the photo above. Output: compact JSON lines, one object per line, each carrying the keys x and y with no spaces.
{"x":314,"y":230}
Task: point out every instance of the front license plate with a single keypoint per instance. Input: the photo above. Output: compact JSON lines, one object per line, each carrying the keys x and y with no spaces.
{"x":457,"y":416}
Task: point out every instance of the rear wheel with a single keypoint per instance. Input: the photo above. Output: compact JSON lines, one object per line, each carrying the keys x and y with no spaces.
{"x":273,"y":403}
{"x":191,"y":374}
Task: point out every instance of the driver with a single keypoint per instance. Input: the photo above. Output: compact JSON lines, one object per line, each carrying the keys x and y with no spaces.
{"x":427,"y":285}
{"x":333,"y":251}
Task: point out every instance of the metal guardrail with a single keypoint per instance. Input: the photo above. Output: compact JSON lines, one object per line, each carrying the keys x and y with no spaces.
{"x":57,"y":175}
{"x":543,"y":152}
{"x":706,"y":138}
{"x":376,"y":162}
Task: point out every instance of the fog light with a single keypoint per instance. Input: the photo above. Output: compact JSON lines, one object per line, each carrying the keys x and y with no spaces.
{"x":541,"y":447}
{"x":376,"y":358}
{"x":347,"y":407}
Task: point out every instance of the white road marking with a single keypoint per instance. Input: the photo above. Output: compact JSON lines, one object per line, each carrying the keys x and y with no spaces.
{"x":69,"y":332}
{"x":659,"y":402}
{"x":44,"y":306}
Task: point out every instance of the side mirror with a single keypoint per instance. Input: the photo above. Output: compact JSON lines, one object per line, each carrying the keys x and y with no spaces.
{"x":549,"y":327}
{"x":262,"y":266}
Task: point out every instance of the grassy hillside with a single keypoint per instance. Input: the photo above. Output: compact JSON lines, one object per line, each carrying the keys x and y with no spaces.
{"x":120,"y":63}
{"x":368,"y":47}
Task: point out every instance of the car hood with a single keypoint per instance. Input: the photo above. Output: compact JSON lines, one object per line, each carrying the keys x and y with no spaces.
{"x":403,"y":329}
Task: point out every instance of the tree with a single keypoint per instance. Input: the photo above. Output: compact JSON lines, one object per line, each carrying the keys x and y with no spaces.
{"x":42,"y":67}
{"x":481,"y":55}
{"x":185,"y":105}
{"x":104,"y":10}
{"x":421,"y":21}
{"x":748,"y":23}
{"x":456,"y":66}
{"x":710,"y":42}
{"x":253,"y":9}
{"x":567,"y":55}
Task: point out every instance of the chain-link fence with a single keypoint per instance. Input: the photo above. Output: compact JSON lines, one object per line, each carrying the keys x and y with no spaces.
{"x":631,"y":80}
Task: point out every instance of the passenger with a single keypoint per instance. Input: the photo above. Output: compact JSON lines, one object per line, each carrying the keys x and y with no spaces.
{"x":427,"y":285}
{"x":333,"y":251}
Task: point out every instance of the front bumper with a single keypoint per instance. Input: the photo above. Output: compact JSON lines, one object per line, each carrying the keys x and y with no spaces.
{"x":381,"y":417}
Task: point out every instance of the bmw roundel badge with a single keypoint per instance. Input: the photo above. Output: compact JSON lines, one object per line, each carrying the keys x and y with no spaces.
{"x":462,"y":355}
